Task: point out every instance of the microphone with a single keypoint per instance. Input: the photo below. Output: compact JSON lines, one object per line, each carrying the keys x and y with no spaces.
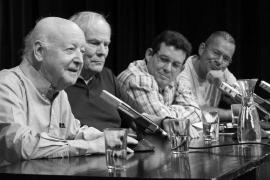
{"x":226,"y":88}
{"x":265,"y":86}
{"x":141,"y":120}
{"x":262,"y":104}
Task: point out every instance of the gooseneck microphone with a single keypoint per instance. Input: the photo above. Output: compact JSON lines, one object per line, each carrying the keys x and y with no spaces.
{"x":140,"y":120}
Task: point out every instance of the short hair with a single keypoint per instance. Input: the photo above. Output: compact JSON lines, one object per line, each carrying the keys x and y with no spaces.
{"x":30,"y":39}
{"x":172,"y":38}
{"x":225,"y":35}
{"x":86,"y":19}
{"x":28,"y":43}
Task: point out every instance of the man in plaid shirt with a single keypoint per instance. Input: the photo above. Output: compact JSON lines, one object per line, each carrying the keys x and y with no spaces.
{"x":152,"y":81}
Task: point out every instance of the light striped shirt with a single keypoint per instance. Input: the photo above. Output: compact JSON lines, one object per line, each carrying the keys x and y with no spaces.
{"x":174,"y":101}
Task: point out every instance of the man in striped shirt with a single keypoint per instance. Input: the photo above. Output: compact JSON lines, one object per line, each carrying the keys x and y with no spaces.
{"x":152,"y":81}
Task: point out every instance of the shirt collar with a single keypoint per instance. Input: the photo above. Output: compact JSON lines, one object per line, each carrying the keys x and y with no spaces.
{"x":88,"y":80}
{"x":43,"y":85}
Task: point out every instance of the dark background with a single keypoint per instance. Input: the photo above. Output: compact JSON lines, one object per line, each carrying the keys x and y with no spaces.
{"x":136,"y":22}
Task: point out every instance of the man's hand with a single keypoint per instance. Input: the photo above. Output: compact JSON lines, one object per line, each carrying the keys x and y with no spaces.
{"x":98,"y":145}
{"x":215,"y":76}
{"x":131,"y":140}
{"x":88,"y":133}
{"x":154,"y":118}
{"x":193,"y":133}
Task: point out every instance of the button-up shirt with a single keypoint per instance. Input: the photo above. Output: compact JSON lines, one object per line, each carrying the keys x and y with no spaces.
{"x":174,"y":101}
{"x":35,"y":121}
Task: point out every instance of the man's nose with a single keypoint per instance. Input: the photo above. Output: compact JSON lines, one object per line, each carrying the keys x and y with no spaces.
{"x":219,"y":60}
{"x":79,"y":57}
{"x":168,"y":67}
{"x":101,"y":49}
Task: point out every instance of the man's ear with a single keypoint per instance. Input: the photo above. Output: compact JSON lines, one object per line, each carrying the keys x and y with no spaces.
{"x":148,"y":54}
{"x":38,"y":51}
{"x":201,"y":48}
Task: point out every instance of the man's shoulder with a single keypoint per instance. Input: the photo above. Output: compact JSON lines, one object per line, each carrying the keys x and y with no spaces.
{"x":10,"y":76}
{"x":107,"y":71}
{"x":107,"y":74}
{"x":186,"y":76}
{"x":137,"y":75}
{"x":11,"y":81}
{"x":135,"y":69}
{"x":227,"y":72}
{"x":189,"y":67}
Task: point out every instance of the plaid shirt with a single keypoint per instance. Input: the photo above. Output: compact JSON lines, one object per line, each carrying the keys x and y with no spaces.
{"x":175,"y":101}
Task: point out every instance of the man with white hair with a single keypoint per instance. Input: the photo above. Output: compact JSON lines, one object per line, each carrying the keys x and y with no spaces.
{"x":35,"y":116}
{"x":84,"y":95}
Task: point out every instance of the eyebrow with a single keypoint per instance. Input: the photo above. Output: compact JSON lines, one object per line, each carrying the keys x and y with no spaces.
{"x":94,"y":39}
{"x":224,"y":54}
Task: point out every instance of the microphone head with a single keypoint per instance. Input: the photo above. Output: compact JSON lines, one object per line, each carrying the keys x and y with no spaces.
{"x":265,"y":86}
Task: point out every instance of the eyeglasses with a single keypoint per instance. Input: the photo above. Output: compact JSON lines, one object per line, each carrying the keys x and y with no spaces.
{"x":176,"y":66}
{"x":217,"y":54}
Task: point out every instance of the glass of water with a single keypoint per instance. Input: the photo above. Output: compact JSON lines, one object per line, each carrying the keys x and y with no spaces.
{"x":236,"y":109}
{"x":179,"y":135}
{"x":116,"y":148}
{"x":210,"y":126}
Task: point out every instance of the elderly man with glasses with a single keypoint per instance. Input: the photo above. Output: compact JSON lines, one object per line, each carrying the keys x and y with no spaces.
{"x":152,"y":81}
{"x":209,"y":66}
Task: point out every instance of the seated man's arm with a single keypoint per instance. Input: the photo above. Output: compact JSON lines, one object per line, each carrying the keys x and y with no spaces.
{"x":185,"y":98}
{"x":216,"y":76}
{"x":224,"y":114}
{"x":144,"y":90}
{"x":124,"y":96}
{"x":20,"y":139}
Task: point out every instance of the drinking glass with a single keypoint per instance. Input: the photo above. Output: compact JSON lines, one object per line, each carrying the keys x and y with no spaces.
{"x":210,"y":126}
{"x":179,"y":135}
{"x":116,"y":148}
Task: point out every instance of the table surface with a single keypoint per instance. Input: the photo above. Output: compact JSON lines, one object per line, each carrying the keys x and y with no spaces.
{"x":225,"y":162}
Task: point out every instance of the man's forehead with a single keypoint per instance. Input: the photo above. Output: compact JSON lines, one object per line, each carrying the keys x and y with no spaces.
{"x":169,"y":48}
{"x":100,"y":31}
{"x":172,"y":52}
{"x":66,"y":35}
{"x":220,"y":41}
{"x":165,"y":47}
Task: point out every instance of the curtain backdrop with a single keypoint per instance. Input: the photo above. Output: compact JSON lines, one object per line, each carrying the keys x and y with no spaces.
{"x":136,"y":22}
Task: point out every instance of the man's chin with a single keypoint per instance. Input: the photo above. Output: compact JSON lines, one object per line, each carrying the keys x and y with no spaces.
{"x":163,"y":84}
{"x":70,"y":81}
{"x":96,"y":69}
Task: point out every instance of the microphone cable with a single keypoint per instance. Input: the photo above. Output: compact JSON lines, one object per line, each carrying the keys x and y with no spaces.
{"x":230,"y":144}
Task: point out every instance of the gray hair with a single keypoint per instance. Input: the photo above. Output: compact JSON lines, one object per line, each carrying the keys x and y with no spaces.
{"x":29,"y":41}
{"x":86,"y":19}
{"x":225,"y":35}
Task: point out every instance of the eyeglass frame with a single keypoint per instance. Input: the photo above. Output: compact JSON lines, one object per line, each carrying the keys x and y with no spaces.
{"x":180,"y":67}
{"x":226,"y":60}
